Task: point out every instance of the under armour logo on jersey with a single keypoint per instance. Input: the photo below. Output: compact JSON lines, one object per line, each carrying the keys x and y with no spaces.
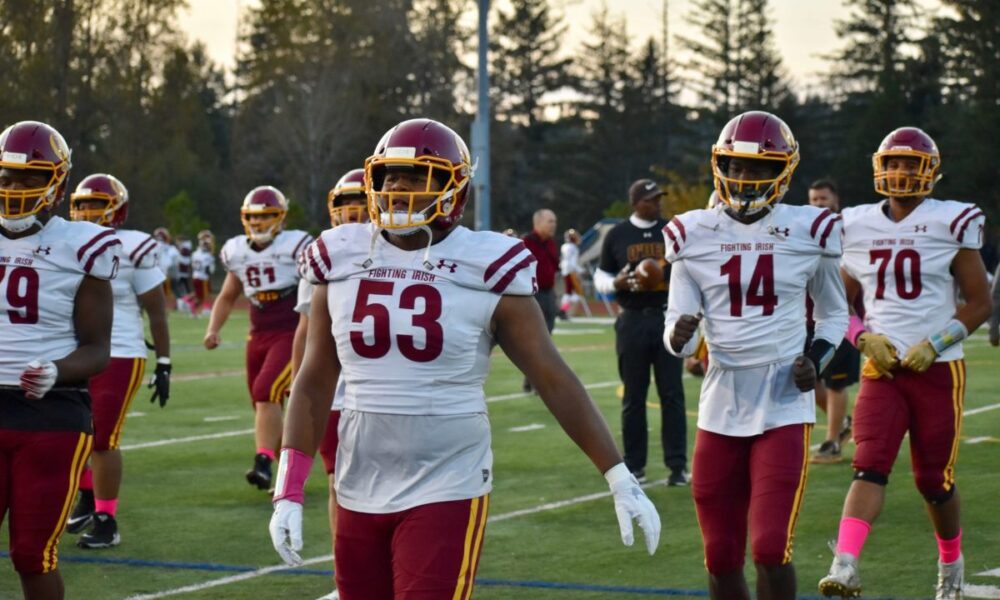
{"x":781,"y":232}
{"x":647,"y":234}
{"x":919,"y":228}
{"x":444,"y":264}
{"x":46,"y":250}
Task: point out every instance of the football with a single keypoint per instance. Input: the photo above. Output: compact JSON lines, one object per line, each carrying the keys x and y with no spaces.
{"x":649,"y":274}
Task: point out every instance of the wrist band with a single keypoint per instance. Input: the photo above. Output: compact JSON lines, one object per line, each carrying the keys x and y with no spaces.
{"x":163,"y":360}
{"x":855,"y":327}
{"x":293,"y":470}
{"x":953,"y":333}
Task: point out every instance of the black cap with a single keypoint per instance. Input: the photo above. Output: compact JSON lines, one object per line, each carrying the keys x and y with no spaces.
{"x":643,"y":189}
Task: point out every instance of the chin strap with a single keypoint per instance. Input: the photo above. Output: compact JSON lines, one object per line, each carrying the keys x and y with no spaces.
{"x":376,"y":230}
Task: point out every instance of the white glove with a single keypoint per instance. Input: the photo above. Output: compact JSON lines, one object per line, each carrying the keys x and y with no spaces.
{"x":631,"y":503}
{"x":38,"y":378}
{"x":286,"y":531}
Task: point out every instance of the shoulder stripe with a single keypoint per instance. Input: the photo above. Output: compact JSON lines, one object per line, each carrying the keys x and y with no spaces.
{"x":504,"y":281}
{"x":680,"y":228}
{"x":954,"y":223}
{"x":305,"y":240}
{"x":323,"y":254}
{"x":673,"y":238}
{"x":829,"y":228}
{"x":139,"y":247}
{"x":317,"y":272}
{"x":98,"y":252}
{"x":972,"y":217}
{"x":100,"y":236}
{"x":509,"y":254}
{"x":819,"y":220}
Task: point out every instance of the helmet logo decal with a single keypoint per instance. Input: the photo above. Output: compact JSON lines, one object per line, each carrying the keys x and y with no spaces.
{"x":15,"y":157}
{"x":746,"y":147}
{"x":57,"y":149}
{"x":400,"y":152}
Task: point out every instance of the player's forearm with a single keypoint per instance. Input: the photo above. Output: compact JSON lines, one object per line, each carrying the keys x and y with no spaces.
{"x":308,"y":412}
{"x":83,"y":363}
{"x":161,"y":334}
{"x":221,"y":309}
{"x":299,"y":344}
{"x":974,"y":313}
{"x":579,"y":417}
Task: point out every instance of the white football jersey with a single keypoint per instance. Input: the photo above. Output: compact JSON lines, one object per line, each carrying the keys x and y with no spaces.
{"x":202,"y":264}
{"x":904,"y":268}
{"x":271,"y":269}
{"x":167,"y":261}
{"x":137,"y":274}
{"x":40,"y":275}
{"x":303,"y":305}
{"x":569,"y":259}
{"x":414,"y":345}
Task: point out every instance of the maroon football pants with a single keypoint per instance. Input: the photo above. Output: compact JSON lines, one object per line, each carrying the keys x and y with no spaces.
{"x":111,"y":393}
{"x":269,"y":365}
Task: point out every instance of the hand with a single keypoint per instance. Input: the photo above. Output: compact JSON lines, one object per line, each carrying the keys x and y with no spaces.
{"x":878,"y":348}
{"x":286,"y":531}
{"x":212,"y":340}
{"x":995,"y":334}
{"x":631,"y":503}
{"x":804,"y":374}
{"x":161,"y":381}
{"x":683,"y":331}
{"x":870,"y":371}
{"x":38,"y":378}
{"x":625,"y":280}
{"x":920,"y":357}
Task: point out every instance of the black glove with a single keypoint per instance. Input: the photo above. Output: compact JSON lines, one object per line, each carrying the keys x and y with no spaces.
{"x":161,"y":381}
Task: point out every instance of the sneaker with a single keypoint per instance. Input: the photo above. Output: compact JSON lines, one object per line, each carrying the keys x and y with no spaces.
{"x":678,"y":478}
{"x":950,"y":579}
{"x":640,"y":475}
{"x":83,"y":512}
{"x":843,"y":579}
{"x":845,"y":431}
{"x":828,"y":454}
{"x":103,"y":535}
{"x":260,"y":474}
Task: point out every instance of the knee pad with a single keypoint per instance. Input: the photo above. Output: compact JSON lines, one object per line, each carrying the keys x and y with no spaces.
{"x":871,"y":476}
{"x":937,"y":496}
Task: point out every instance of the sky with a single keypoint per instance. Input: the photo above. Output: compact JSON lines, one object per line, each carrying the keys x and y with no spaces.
{"x":803,"y":29}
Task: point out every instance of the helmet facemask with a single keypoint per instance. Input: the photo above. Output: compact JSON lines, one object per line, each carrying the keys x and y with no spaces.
{"x":905,"y":183}
{"x":19,"y":207}
{"x":405,"y":212}
{"x":341,"y":212}
{"x":262,"y":230}
{"x":750,"y":196}
{"x":101,"y":215}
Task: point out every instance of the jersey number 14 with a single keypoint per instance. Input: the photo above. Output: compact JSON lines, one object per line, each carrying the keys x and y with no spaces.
{"x":760,"y":292}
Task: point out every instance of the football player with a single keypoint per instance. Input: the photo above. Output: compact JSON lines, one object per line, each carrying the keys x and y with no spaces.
{"x":262,"y":266}
{"x":908,"y":253}
{"x":202,"y":267}
{"x":103,"y":199}
{"x":347,"y":203}
{"x":569,"y":266}
{"x":744,"y":268}
{"x":407,"y":308}
{"x":55,"y":310}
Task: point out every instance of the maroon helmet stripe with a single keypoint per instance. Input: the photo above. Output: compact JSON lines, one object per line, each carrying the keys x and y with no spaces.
{"x":673,"y":238}
{"x":305,"y":239}
{"x":961,"y":232}
{"x":680,"y":228}
{"x":819,"y":219}
{"x":144,"y":244}
{"x":826,"y":232}
{"x":504,"y":281}
{"x":97,"y":238}
{"x":98,"y":252}
{"x":954,"y":223}
{"x":509,"y":254}
{"x":323,"y":254}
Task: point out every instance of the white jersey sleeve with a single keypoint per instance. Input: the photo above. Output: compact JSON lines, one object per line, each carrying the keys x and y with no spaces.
{"x":904,"y":267}
{"x":137,"y":275}
{"x":303,"y":299}
{"x":684,"y":298}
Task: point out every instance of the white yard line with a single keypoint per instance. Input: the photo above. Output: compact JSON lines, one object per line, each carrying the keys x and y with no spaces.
{"x":183,"y":440}
{"x":211,"y":583}
{"x":531,"y":427}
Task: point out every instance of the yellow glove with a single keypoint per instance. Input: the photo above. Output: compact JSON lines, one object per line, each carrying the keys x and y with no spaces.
{"x":920,"y":357}
{"x":870,"y":371}
{"x":880,"y":350}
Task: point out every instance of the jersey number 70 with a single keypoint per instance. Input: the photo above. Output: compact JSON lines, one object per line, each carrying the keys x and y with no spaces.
{"x":905,"y":257}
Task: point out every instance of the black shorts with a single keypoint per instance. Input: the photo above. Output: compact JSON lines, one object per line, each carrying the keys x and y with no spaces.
{"x":845,"y":367}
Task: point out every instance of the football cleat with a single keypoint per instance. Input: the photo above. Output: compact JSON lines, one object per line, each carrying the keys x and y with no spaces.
{"x":103,"y":535}
{"x":678,"y":478}
{"x":640,"y":475}
{"x":843,"y":579}
{"x":828,"y":453}
{"x":950,"y":579}
{"x":845,"y":431}
{"x":334,"y":595}
{"x":260,"y":474}
{"x":83,"y":512}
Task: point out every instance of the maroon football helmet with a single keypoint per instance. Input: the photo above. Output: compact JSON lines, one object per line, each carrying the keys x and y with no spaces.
{"x":758,"y":136}
{"x":271,"y":205}
{"x":424,"y":146}
{"x":206,"y":241}
{"x":106,"y":189}
{"x":162,"y":234}
{"x":36,"y":146}
{"x":912,"y":143}
{"x":347,"y":201}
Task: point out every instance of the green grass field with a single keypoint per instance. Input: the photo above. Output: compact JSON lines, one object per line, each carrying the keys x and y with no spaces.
{"x":188,"y":518}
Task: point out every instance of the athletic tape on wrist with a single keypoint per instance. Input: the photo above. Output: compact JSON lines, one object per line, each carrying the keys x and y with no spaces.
{"x":953,"y":333}
{"x":293,"y":470}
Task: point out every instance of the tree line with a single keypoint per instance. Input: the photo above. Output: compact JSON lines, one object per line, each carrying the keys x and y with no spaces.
{"x":317,"y":82}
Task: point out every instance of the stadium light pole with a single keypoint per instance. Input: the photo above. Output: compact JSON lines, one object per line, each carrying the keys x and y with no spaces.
{"x":481,"y":126}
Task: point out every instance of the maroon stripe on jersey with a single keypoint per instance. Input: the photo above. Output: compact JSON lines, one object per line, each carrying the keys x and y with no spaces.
{"x":680,"y":228}
{"x":954,"y":223}
{"x":97,"y":238}
{"x":504,"y":281}
{"x":819,"y":219}
{"x":305,"y":239}
{"x":826,"y":232}
{"x":98,"y":252}
{"x":146,"y":241}
{"x":138,"y":261}
{"x":323,"y":254}
{"x":509,"y":254}
{"x":961,"y":231}
{"x":673,"y":238}
{"x":315,"y":269}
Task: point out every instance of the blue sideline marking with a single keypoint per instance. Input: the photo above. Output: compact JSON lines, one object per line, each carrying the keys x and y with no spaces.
{"x":581,"y":587}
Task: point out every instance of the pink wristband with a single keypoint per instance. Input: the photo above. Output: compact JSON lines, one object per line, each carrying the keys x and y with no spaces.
{"x":855,"y":327}
{"x":293,"y":470}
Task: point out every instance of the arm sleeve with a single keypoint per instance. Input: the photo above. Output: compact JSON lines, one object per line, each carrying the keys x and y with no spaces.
{"x":608,"y":264}
{"x":829,"y":301}
{"x":146,"y":279}
{"x":684,"y":299}
{"x":604,"y":282}
{"x":303,"y":300}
